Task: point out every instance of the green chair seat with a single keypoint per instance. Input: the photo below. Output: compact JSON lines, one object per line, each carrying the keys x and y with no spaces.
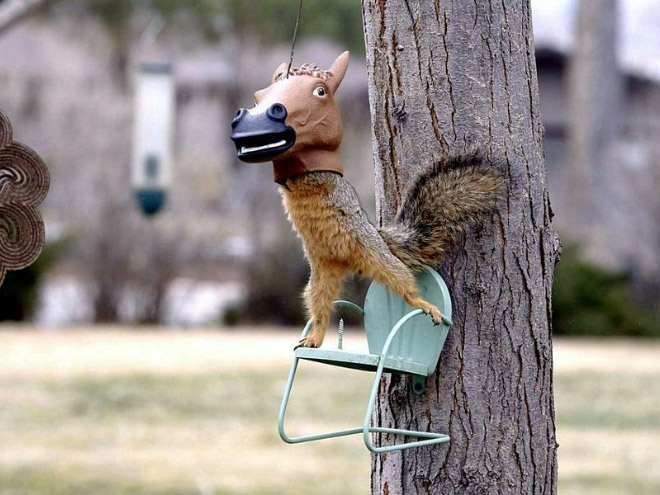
{"x":357,"y":361}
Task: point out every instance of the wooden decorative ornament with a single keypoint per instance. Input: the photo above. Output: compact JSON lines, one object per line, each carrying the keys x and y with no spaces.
{"x":24,"y":182}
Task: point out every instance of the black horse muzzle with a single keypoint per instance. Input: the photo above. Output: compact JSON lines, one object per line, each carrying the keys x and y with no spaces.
{"x":261,"y":137}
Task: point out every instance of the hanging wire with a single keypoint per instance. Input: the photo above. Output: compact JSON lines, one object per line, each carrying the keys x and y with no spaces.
{"x":295,"y":35}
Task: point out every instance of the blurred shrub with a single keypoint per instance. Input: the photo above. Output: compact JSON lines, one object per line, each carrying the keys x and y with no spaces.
{"x":353,"y":289}
{"x":20,"y":290}
{"x":275,"y":285}
{"x":590,"y":300}
{"x":275,"y":282}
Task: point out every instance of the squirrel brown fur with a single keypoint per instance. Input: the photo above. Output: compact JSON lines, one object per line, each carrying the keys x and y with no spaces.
{"x":295,"y":123}
{"x":338,"y":237}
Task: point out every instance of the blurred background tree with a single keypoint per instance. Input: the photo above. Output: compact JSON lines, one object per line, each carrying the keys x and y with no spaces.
{"x":210,"y":21}
{"x":273,"y":21}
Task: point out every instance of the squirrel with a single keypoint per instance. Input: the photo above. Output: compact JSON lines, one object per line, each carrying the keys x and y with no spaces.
{"x":295,"y":124}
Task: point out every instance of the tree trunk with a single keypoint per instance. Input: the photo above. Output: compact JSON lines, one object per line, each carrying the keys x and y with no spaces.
{"x":444,"y":76}
{"x":594,"y":103}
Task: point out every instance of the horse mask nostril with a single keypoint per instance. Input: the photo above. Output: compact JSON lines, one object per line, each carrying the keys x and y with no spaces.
{"x":240,"y":113}
{"x":277,"y":111}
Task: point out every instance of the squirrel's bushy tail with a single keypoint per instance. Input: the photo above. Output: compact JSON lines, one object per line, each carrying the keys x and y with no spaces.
{"x":442,"y":202}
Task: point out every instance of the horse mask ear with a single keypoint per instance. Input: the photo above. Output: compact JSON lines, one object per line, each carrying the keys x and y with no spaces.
{"x":338,"y":71}
{"x":281,"y":69}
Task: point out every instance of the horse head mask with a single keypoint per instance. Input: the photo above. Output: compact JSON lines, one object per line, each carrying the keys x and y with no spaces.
{"x":295,"y":121}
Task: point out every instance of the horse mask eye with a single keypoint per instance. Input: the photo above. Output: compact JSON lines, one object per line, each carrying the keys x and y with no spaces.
{"x":319,"y":91}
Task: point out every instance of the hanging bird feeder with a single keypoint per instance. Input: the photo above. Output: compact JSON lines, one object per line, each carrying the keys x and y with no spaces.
{"x":401,"y":340}
{"x":154,"y":110}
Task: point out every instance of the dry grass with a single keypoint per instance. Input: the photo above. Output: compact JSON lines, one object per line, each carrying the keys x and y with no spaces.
{"x":116,"y":412}
{"x":150,"y":412}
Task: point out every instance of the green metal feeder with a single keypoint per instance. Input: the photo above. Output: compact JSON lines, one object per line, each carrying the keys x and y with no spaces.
{"x":401,"y":340}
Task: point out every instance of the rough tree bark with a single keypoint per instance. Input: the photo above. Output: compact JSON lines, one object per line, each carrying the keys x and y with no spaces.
{"x":444,"y":76}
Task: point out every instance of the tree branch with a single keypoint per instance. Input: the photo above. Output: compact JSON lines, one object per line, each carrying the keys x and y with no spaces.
{"x":14,"y":11}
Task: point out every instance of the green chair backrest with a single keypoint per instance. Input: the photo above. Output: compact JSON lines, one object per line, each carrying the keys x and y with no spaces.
{"x":420,"y":341}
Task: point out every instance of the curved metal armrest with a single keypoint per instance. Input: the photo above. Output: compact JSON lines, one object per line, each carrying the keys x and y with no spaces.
{"x":340,"y":303}
{"x":349,"y":305}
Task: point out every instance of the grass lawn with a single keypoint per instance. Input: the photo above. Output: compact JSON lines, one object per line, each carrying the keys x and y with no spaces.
{"x":111,"y":412}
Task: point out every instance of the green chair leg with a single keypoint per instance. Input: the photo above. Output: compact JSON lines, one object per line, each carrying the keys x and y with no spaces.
{"x":367,"y":429}
{"x":285,"y":402}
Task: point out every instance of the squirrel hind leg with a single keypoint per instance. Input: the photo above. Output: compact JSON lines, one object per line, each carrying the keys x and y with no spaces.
{"x":427,"y":307}
{"x":411,"y":296}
